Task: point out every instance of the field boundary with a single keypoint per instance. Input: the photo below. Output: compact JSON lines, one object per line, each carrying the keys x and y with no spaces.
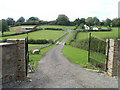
{"x":94,"y":30}
{"x":20,"y":33}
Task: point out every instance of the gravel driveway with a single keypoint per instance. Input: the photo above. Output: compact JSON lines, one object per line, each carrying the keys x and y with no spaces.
{"x":56,"y":71}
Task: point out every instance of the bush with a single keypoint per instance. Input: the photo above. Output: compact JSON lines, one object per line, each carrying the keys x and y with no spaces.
{"x":50,"y":41}
{"x":4,"y":40}
{"x":80,"y":44}
{"x":59,"y":29}
{"x":32,"y":41}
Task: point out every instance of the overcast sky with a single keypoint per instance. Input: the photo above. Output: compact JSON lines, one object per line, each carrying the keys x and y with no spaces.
{"x":50,"y":9}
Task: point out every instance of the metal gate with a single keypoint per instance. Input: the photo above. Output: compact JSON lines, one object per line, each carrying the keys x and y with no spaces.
{"x":98,"y":52}
{"x":26,"y":54}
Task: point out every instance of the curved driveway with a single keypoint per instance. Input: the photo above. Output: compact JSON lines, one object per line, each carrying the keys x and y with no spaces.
{"x":56,"y":71}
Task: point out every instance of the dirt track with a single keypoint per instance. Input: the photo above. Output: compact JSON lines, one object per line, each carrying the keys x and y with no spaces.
{"x":56,"y":71}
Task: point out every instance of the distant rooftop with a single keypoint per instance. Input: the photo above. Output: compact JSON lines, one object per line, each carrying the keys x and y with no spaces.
{"x":27,"y":27}
{"x":25,"y":30}
{"x":1,"y":44}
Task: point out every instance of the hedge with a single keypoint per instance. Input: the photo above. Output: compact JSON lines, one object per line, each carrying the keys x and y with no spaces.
{"x":59,"y":29}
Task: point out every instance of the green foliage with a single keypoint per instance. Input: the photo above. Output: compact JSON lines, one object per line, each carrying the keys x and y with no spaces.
{"x":89,"y":21}
{"x":32,"y":41}
{"x":108,"y":22}
{"x":33,"y":19}
{"x":3,"y":25}
{"x":116,"y":22}
{"x":81,"y":26}
{"x":10,"y":21}
{"x":96,"y":21}
{"x":31,"y":22}
{"x":78,"y":21}
{"x":83,"y":44}
{"x":21,"y":19}
{"x":89,"y":66}
{"x":62,"y":20}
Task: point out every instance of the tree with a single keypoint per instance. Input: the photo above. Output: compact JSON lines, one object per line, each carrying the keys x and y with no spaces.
{"x":102,"y":23}
{"x":108,"y":22}
{"x":82,"y":20}
{"x":10,"y":21}
{"x":21,"y":19}
{"x":62,"y":20}
{"x":116,"y":22}
{"x":33,"y":19}
{"x":81,"y":26}
{"x":3,"y":26}
{"x":89,"y":21}
{"x":77,"y":22}
{"x":96,"y":21}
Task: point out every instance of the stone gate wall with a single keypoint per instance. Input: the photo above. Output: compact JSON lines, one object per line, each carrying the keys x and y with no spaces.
{"x":13,"y":60}
{"x":113,"y":57}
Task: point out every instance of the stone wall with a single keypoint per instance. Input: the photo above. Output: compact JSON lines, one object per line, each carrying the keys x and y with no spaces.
{"x":13,"y":60}
{"x":0,"y":67}
{"x":9,"y":66}
{"x":119,"y":63}
{"x":21,"y":64}
{"x":113,"y":57}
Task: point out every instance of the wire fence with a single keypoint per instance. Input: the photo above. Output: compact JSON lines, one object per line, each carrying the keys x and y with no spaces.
{"x":97,"y":52}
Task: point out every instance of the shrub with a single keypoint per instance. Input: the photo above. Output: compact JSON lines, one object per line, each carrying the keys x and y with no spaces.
{"x":32,"y":41}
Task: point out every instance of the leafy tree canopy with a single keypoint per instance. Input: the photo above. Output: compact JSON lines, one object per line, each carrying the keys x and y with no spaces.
{"x":33,"y":19}
{"x":62,"y":20}
{"x":3,"y":26}
{"x":21,"y":19}
{"x":10,"y":21}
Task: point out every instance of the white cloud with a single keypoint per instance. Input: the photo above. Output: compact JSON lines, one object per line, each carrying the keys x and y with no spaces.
{"x":50,"y":9}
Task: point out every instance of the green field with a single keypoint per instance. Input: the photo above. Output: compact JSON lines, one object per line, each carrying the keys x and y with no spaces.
{"x":111,"y":34}
{"x":18,"y":28}
{"x":57,"y":26}
{"x":75,"y":55}
{"x":42,"y":34}
{"x":80,"y":56}
{"x":15,"y":29}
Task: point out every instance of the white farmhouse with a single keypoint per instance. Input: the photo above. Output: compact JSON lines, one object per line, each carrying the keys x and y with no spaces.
{"x":95,"y":28}
{"x":86,"y":27}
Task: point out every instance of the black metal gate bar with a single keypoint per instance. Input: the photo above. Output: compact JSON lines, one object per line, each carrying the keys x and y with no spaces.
{"x":26,"y":54}
{"x":89,"y":47}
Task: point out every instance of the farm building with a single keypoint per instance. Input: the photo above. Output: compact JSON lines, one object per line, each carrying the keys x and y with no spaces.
{"x":86,"y":27}
{"x":95,"y":28}
{"x":28,"y":28}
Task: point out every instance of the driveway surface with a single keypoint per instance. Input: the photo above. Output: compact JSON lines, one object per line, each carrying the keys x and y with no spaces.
{"x":56,"y":71}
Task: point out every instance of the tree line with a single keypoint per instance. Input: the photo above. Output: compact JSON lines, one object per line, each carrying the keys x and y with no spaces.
{"x":61,"y":20}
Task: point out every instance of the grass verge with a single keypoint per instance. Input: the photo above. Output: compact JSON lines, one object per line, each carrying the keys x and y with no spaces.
{"x":78,"y":56}
{"x":35,"y":58}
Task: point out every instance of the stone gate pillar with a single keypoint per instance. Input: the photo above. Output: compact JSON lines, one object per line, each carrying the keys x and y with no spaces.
{"x":21,"y":62}
{"x":113,"y":57}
